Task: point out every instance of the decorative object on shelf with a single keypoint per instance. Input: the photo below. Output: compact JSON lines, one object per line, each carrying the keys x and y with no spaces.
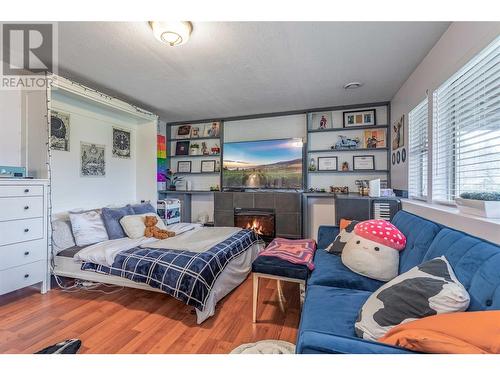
{"x":212,"y":130}
{"x":322,"y":120}
{"x":345,"y":143}
{"x":207,"y":166}
{"x":339,"y":189}
{"x":329,"y":163}
{"x":184,"y":167}
{"x":374,"y":139}
{"x":374,"y":188}
{"x":393,"y":158}
{"x":362,"y":185}
{"x":215,"y":150}
{"x":183,"y":131}
{"x":215,"y":188}
{"x":121,"y":143}
{"x":195,"y":131}
{"x":182,"y":148}
{"x":317,"y":190}
{"x":360,"y":118}
{"x":93,"y":161}
{"x":398,"y":133}
{"x":363,"y":162}
{"x":194,"y":149}
{"x":204,"y":148}
{"x":59,"y":131}
{"x":312,"y":165}
{"x":403,"y":155}
{"x":172,"y":180}
{"x":217,"y":166}
{"x":345,"y":166}
{"x":480,"y":204}
{"x":398,"y":157}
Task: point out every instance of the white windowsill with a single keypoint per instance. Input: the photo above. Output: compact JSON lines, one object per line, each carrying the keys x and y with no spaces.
{"x":482,"y":227}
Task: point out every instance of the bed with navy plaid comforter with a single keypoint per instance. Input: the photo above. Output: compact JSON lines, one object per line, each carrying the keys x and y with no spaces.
{"x":185,"y":275}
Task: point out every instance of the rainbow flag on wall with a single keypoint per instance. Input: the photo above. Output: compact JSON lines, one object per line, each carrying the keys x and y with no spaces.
{"x":161,"y":158}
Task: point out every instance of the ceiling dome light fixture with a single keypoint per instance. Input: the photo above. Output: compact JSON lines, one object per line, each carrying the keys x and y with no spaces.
{"x":352,"y":85}
{"x":172,"y":33}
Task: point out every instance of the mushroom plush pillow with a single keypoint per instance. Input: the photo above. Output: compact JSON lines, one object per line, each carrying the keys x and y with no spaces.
{"x":373,"y":250}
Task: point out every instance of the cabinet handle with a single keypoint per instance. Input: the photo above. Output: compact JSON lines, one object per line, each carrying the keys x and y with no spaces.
{"x":26,"y":230}
{"x":26,"y":190}
{"x":26,"y":253}
{"x":26,"y":207}
{"x":26,"y":275}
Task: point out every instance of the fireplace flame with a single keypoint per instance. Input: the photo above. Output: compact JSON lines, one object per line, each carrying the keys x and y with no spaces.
{"x":255,"y":226}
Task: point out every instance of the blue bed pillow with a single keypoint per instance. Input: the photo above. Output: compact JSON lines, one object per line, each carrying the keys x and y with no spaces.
{"x":142,"y":208}
{"x":111,"y":218}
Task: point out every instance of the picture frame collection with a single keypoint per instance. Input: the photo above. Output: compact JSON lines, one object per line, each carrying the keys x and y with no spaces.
{"x":359,"y":163}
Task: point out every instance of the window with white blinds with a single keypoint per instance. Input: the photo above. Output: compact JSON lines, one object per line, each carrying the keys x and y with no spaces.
{"x":418,"y":151}
{"x":466,"y":129}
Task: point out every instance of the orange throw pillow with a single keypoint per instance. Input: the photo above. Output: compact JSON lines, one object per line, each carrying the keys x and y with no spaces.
{"x":344,"y":223}
{"x":456,"y":333}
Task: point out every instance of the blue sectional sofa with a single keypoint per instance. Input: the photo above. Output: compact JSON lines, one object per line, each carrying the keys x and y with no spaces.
{"x":335,"y":294}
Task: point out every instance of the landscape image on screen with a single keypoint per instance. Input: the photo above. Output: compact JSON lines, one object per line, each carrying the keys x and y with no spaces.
{"x":274,"y":164}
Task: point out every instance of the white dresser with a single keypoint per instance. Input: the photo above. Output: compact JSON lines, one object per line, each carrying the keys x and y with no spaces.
{"x":23,"y":234}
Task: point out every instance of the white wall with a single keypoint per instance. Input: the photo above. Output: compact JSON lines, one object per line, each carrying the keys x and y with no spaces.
{"x":126,"y":180}
{"x":461,"y":42}
{"x":10,"y":128}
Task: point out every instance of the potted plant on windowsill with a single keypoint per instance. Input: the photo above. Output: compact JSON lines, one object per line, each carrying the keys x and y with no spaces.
{"x":480,"y":204}
{"x":172,"y":180}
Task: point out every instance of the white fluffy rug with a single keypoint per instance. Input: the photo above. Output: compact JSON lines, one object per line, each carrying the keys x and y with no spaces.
{"x":265,"y":347}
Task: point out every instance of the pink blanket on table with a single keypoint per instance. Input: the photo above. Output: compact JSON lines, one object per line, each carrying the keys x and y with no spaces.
{"x":293,"y":251}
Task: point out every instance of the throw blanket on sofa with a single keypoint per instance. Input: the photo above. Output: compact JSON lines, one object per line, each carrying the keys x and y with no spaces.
{"x":293,"y":251}
{"x":185,"y":275}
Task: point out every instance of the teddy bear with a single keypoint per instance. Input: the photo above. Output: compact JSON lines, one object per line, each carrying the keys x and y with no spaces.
{"x":153,"y":231}
{"x":373,"y":250}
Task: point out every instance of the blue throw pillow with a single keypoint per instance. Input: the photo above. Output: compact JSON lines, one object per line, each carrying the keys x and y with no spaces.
{"x":143,"y":208}
{"x":111,"y":218}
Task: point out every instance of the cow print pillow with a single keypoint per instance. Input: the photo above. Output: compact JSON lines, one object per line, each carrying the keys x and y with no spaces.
{"x":337,"y":246}
{"x":430,"y":288}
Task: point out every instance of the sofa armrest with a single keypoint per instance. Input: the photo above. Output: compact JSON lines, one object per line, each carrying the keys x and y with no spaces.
{"x":326,"y":235}
{"x":312,"y":342}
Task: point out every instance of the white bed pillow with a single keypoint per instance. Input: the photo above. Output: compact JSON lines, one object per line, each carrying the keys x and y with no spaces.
{"x":88,"y":227}
{"x":133,"y":225}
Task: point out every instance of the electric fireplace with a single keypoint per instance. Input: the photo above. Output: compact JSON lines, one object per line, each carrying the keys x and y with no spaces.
{"x":260,"y":220}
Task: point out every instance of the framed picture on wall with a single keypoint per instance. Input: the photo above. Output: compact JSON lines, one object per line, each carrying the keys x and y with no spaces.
{"x":183,"y":167}
{"x":363,"y":163}
{"x":121,"y":143}
{"x":182,"y":148}
{"x":92,"y":160}
{"x":328,"y":163}
{"x":398,"y":133}
{"x":207,"y":166}
{"x":374,"y":139}
{"x":212,"y":130}
{"x":195,"y":131}
{"x":360,"y":118}
{"x":183,"y":132}
{"x":59,"y":130}
{"x":322,"y":121}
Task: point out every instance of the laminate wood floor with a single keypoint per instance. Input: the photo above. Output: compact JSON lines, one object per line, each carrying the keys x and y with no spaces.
{"x":138,"y":321}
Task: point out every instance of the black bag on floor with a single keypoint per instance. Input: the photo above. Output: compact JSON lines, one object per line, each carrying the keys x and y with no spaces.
{"x":70,"y":346}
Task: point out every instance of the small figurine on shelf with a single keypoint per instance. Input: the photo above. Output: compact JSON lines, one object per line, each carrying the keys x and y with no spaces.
{"x":215,"y":149}
{"x":312,"y":165}
{"x":204,"y":148}
{"x":323,"y":123}
{"x":345,"y":166}
{"x":345,"y":143}
{"x":172,"y":180}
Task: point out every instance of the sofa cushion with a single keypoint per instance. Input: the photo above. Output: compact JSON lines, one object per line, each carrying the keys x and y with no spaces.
{"x":279,"y":267}
{"x":476,"y":264}
{"x":419,"y":235}
{"x":329,"y":271}
{"x":332,"y":310}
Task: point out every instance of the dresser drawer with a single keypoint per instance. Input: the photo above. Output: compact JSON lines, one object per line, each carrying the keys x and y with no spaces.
{"x":22,"y":253}
{"x":22,"y":276}
{"x":21,"y":230}
{"x":21,"y":190}
{"x":15,"y":208}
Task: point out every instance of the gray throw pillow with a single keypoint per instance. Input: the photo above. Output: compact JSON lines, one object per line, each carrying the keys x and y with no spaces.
{"x":142,"y":208}
{"x":428,"y":289}
{"x":62,"y":236}
{"x":111,"y":218}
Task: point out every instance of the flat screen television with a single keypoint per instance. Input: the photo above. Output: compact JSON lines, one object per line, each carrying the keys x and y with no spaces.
{"x":270,"y":164}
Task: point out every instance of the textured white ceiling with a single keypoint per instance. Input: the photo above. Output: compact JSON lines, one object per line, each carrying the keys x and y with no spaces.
{"x":242,"y":68}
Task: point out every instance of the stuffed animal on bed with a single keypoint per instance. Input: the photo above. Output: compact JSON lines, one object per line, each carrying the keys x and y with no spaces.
{"x":153,"y":231}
